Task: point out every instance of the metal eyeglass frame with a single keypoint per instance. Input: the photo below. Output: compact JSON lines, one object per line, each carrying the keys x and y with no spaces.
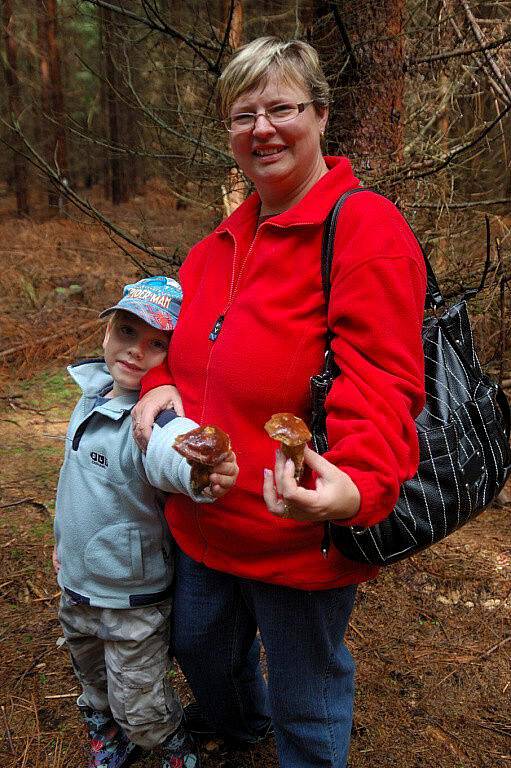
{"x":267,"y":114}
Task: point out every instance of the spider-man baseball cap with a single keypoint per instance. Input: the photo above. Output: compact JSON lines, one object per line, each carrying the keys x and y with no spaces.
{"x":157,"y":300}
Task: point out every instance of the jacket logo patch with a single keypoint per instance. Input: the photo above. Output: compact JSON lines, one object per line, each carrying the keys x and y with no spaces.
{"x":99,"y":459}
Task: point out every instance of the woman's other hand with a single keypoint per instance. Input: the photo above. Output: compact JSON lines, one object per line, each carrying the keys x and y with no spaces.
{"x":336,"y":497}
{"x":148,"y":408}
{"x":223,"y":476}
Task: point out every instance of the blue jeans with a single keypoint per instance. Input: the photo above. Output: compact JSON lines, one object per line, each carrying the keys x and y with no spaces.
{"x":310,"y":690}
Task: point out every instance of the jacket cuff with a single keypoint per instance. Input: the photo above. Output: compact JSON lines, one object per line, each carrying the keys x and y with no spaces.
{"x":375,"y":503}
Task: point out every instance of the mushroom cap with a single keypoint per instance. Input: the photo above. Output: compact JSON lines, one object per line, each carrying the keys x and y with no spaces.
{"x":207,"y":445}
{"x":287,"y":428}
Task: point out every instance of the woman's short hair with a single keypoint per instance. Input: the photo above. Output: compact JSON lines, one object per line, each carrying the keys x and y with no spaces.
{"x":294,"y":60}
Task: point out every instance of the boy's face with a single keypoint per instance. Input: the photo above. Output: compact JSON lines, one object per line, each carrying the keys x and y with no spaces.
{"x":131,"y":348}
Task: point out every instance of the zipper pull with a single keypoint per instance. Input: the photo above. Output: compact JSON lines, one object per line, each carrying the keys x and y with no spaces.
{"x":213,"y":336}
{"x":325,"y":542}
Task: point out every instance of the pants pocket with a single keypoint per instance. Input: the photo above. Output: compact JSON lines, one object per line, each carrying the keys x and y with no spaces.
{"x":144,"y":694}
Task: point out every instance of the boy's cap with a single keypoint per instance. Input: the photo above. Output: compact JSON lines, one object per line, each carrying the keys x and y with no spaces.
{"x":157,"y":300}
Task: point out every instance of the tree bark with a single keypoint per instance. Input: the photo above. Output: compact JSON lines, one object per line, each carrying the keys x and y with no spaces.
{"x":104,"y":116}
{"x":119,"y":189}
{"x":14,"y":101}
{"x":362,"y":53}
{"x":234,"y":190}
{"x":58,"y":145}
{"x":46,"y":130}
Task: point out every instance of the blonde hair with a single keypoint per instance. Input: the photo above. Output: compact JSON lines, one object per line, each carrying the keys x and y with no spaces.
{"x":252,"y":65}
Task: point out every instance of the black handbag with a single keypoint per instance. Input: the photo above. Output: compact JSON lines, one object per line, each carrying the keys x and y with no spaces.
{"x":463,"y":434}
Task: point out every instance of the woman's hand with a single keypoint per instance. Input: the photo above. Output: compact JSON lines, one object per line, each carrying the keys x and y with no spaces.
{"x":336,"y":496}
{"x":148,"y":408}
{"x":223,"y":476}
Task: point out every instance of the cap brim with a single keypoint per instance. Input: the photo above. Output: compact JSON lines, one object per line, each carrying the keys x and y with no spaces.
{"x":163,"y":321}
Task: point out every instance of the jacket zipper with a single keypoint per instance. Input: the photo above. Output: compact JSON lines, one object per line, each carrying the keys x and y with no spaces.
{"x":215,"y":331}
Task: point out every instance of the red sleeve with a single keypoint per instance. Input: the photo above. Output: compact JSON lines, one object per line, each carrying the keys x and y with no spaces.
{"x":157,"y":376}
{"x":376,"y":310}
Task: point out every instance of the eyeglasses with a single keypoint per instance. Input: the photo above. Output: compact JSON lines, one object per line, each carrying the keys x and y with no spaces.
{"x":280,"y":113}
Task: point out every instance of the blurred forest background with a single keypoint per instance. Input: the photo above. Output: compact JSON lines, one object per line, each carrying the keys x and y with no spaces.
{"x":105,"y":101}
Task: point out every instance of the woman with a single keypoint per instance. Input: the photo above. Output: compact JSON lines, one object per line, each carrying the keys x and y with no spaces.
{"x":250,"y":335}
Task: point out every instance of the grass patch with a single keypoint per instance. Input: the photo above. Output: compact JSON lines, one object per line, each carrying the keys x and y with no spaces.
{"x":50,"y":390}
{"x":43,"y":529}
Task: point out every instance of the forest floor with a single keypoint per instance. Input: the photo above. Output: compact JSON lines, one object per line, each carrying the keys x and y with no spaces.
{"x":431,"y":636}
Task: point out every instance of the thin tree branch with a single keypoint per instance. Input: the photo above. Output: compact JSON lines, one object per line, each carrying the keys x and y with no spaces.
{"x":460,"y":205}
{"x":164,"y":28}
{"x":344,"y":35}
{"x":158,"y":121}
{"x":82,"y":203}
{"x":444,"y":55}
{"x":480,"y":39}
{"x":434,"y":165}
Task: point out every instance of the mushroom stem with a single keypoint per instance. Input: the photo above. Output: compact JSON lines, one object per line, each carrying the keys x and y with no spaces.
{"x":199,"y":476}
{"x":296,"y":454}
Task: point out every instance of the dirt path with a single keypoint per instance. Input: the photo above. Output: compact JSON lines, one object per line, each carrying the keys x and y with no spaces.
{"x":430,"y":636}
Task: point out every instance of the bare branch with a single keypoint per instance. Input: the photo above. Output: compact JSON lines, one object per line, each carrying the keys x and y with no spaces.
{"x":163,"y":28}
{"x":480,"y":39}
{"x":82,"y":203}
{"x":444,"y":55}
{"x":460,"y":205}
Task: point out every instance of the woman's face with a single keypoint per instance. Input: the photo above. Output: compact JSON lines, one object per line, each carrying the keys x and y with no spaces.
{"x":285,"y":155}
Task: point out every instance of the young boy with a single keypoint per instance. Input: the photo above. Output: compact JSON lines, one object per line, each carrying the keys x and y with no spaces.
{"x":113,"y":552}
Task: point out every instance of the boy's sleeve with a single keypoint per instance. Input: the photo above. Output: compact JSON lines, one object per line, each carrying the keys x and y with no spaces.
{"x":165,"y":468}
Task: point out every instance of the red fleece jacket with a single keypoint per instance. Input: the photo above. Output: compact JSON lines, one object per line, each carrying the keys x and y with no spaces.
{"x":268,"y":286}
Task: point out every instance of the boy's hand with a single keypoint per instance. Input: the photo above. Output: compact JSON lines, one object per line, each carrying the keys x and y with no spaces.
{"x":222,"y":478}
{"x":55,"y":560}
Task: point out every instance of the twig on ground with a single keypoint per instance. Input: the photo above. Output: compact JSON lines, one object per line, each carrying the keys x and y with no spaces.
{"x":62,"y":695}
{"x":37,"y":591}
{"x":495,"y":647}
{"x":31,"y":666}
{"x":7,"y":732}
{"x":30,"y":502}
{"x":47,"y":598}
{"x":15,"y":504}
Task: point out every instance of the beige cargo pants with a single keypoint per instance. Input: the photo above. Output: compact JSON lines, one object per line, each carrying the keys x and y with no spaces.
{"x":121,"y":659}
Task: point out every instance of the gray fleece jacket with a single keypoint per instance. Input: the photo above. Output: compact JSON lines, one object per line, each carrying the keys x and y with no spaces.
{"x":113,"y":543}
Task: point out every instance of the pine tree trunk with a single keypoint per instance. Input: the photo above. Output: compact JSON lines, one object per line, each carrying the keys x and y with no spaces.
{"x":45,"y":127}
{"x":119,"y":192}
{"x":362,"y":52}
{"x":58,"y":145}
{"x":234,"y":189}
{"x":105,"y":156}
{"x":20,"y":173}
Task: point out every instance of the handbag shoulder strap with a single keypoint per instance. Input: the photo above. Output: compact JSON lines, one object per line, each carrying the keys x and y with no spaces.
{"x":434,"y":298}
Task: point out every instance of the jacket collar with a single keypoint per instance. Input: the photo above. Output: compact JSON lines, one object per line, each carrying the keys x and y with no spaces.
{"x":93,"y":378}
{"x":313,"y":208}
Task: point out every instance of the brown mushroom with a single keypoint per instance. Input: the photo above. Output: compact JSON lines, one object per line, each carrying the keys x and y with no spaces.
{"x":293,"y":434}
{"x":203,"y":448}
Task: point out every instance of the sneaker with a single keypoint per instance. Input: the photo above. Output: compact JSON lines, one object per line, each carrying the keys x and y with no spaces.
{"x":180,"y":750}
{"x":109,"y":745}
{"x":196,"y":722}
